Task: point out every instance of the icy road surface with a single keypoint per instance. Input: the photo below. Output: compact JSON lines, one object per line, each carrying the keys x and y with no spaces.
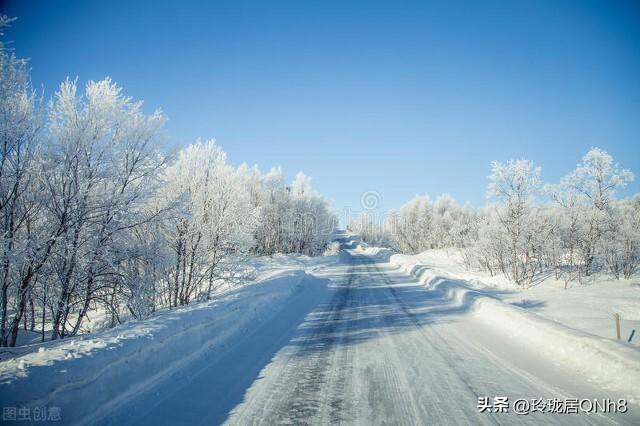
{"x":377,"y":348}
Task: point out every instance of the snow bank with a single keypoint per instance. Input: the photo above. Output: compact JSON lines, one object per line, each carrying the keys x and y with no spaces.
{"x":104,"y":369}
{"x":380,"y":253}
{"x":613,"y":365}
{"x":588,"y":307}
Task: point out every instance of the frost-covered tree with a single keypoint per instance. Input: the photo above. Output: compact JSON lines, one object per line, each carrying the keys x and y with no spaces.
{"x":101,"y":170}
{"x":412,"y":224}
{"x":215,"y":220}
{"x":568,"y":219}
{"x":490,"y":251}
{"x":586,"y":196}
{"x":371,"y":230}
{"x":23,"y":253}
{"x":513,"y":185}
{"x":620,"y":243}
{"x":421,"y":225}
{"x":596,"y":179}
{"x":292,"y":219}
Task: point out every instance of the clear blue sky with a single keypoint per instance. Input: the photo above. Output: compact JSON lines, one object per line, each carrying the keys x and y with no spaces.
{"x":398,"y":97}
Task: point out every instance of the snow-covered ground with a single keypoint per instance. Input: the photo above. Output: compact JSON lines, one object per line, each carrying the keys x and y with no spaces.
{"x":365,"y":337}
{"x":589,"y":307}
{"x":386,"y":350}
{"x":262,"y":267}
{"x":103,"y":369}
{"x":573,"y":328}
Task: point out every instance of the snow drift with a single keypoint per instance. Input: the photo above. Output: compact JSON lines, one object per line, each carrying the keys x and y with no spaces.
{"x":613,"y":365}
{"x":380,"y":253}
{"x":105,"y":369}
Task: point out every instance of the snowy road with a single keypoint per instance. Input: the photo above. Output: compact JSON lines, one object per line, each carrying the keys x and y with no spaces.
{"x":376,"y":348}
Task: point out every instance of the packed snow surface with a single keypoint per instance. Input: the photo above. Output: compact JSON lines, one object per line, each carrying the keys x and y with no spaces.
{"x":367,"y":337}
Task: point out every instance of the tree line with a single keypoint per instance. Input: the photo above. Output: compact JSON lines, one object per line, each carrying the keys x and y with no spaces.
{"x":529,"y":230}
{"x":97,"y":216}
